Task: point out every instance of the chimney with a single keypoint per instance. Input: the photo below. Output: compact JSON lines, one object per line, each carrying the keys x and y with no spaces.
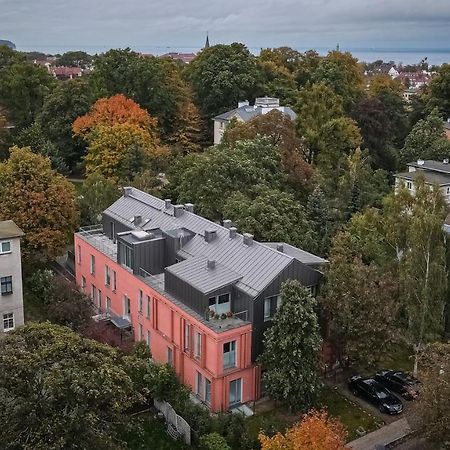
{"x":168,"y":203}
{"x":189,"y":207}
{"x":247,"y":239}
{"x":178,"y":210}
{"x":280,"y":248}
{"x":137,"y":220}
{"x":445,"y":161}
{"x":127,"y":191}
{"x":420,"y":162}
{"x":211,"y":264}
{"x":210,"y":235}
{"x":227,"y":223}
{"x":233,"y":232}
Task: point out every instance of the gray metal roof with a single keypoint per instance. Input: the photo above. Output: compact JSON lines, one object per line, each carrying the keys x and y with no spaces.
{"x":304,"y":257}
{"x":430,"y":164}
{"x":430,"y":177}
{"x":8,"y":229}
{"x":247,"y":113}
{"x":196,"y":273}
{"x":257,"y":264}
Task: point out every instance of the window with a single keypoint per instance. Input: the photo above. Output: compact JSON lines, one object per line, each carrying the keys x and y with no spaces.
{"x":108,"y":305}
{"x":270,"y":306}
{"x":409,"y":185}
{"x":199,"y":385}
{"x":94,"y":293}
{"x":149,"y":303}
{"x":114,"y":280}
{"x":126,"y":306}
{"x":229,"y":354}
{"x":169,"y":356}
{"x":197,"y":344}
{"x":187,"y":336}
{"x":235,"y":392}
{"x":207,"y":391}
{"x":92,"y":264}
{"x":107,"y":276}
{"x":141,"y":332}
{"x":99,"y":299}
{"x":8,"y":321}
{"x":140,"y":298}
{"x":126,"y":255}
{"x":112,"y":231}
{"x":83,"y":285}
{"x":79,"y":254}
{"x":148,"y":338}
{"x":5,"y":247}
{"x":448,"y":190}
{"x":6,"y":285}
{"x":220,"y":304}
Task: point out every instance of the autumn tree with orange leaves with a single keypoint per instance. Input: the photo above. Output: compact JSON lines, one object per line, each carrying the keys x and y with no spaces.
{"x":316,"y":431}
{"x":123,"y":138}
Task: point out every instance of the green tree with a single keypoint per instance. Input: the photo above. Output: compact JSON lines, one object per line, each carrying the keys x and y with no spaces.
{"x":319,"y":216}
{"x":154,"y":83}
{"x":282,"y":57}
{"x":292,"y":344}
{"x":270,"y":215}
{"x":306,"y":68}
{"x":69,"y":391}
{"x":208,"y":179}
{"x":439,"y":95}
{"x":221,"y":76}
{"x":213,"y":441}
{"x":69,"y":100}
{"x":23,"y":87}
{"x":426,"y":140}
{"x":41,"y":202}
{"x":317,"y":104}
{"x":75,"y":59}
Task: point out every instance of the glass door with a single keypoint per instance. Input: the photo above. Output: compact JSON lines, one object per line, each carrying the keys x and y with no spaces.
{"x":235,"y":392}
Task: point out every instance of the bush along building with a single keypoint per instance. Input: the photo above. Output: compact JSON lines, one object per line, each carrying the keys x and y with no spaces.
{"x":200,"y":294}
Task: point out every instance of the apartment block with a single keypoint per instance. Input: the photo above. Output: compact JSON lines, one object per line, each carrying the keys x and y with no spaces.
{"x":199,"y":293}
{"x":11,"y":300}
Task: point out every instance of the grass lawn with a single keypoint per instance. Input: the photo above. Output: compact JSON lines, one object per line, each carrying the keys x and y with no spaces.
{"x":349,"y":413}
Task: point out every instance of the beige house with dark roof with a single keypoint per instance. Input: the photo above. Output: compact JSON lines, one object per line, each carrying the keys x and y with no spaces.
{"x":11,"y":299}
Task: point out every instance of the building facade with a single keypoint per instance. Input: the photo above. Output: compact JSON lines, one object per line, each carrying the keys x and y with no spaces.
{"x":11,"y":298}
{"x":434,"y":173}
{"x":245,"y":112}
{"x":200,"y":294}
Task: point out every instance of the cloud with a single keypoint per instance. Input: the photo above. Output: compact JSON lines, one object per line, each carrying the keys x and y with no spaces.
{"x":100,"y":24}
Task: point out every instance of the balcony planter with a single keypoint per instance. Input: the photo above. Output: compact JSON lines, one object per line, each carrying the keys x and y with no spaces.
{"x":230,"y":314}
{"x":223,"y":316}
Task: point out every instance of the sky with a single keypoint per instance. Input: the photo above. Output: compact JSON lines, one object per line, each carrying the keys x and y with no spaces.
{"x":156,"y":26}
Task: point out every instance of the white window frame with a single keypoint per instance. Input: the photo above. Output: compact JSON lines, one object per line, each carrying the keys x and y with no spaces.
{"x":79,"y":254}
{"x":114,"y":280}
{"x":140,"y":300}
{"x":199,"y":385}
{"x":220,"y":308}
{"x":187,"y":337}
{"x":8,"y":282}
{"x":126,"y":306}
{"x":268,"y":313}
{"x":197,"y":345}
{"x":409,"y":185}
{"x":8,"y":319}
{"x":92,"y":266}
{"x":240,"y":393}
{"x":107,"y":275}
{"x":149,"y":306}
{"x":5,"y":252}
{"x":230,"y":360}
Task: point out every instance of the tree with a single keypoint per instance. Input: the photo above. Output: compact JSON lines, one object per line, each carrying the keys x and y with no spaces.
{"x":440,"y":91}
{"x":69,"y":100}
{"x":96,"y":194}
{"x":271,"y":215}
{"x":354,"y":292}
{"x":47,"y":382}
{"x":343,"y":73}
{"x":280,"y":129}
{"x":75,"y":59}
{"x":209,"y":179}
{"x":384,"y":82}
{"x":423,"y":271}
{"x":306,"y":68}
{"x":213,"y":441}
{"x":317,"y":104}
{"x":316,"y":431}
{"x":431,"y":414}
{"x":153,"y":83}
{"x":41,"y":202}
{"x":221,"y":76}
{"x":291,"y":349}
{"x":285,"y":57}
{"x":23,"y":87}
{"x":426,"y":140}
{"x":319,"y":216}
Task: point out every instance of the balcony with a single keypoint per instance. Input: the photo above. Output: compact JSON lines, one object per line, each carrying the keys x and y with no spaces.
{"x":94,"y":236}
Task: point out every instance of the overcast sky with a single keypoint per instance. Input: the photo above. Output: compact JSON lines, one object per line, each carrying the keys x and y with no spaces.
{"x":95,"y":25}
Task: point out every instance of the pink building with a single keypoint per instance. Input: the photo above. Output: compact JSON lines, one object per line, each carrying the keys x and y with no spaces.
{"x":200,"y":294}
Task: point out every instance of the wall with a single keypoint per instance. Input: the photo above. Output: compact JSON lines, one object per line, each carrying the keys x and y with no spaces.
{"x":166,"y":327}
{"x":10,"y":265}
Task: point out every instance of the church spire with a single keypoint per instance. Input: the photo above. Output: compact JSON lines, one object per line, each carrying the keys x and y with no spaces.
{"x":207,"y":40}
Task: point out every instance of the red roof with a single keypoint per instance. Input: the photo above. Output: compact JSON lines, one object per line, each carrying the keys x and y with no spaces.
{"x":185,"y":57}
{"x":66,"y":71}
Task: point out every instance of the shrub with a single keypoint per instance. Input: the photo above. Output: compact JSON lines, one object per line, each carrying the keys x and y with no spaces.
{"x":213,"y":441}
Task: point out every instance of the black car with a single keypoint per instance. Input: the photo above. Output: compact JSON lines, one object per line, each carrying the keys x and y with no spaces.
{"x":375,"y":393}
{"x":400,"y":382}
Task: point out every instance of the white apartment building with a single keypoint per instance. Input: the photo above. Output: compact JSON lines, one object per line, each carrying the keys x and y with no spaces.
{"x":11,"y":298}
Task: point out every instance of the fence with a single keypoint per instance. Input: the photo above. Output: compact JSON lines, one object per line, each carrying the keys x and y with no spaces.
{"x":173,"y":419}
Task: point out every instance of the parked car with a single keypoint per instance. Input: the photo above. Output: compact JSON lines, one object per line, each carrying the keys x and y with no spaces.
{"x":399,"y":382}
{"x":375,"y":393}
